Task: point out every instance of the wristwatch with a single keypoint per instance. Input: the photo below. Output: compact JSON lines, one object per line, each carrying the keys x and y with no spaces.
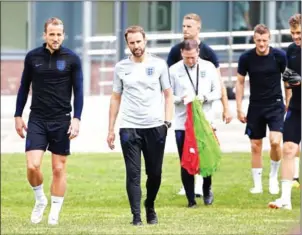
{"x":205,"y":99}
{"x":168,"y":124}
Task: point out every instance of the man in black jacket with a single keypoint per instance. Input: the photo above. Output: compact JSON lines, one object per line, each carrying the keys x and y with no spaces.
{"x":53,"y":72}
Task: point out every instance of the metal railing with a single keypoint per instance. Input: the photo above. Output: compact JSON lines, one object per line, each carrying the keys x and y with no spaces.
{"x":171,"y":36}
{"x":229,"y":48}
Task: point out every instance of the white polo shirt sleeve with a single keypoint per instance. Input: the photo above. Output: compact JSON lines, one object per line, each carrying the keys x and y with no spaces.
{"x":117,"y":81}
{"x":164,"y":78}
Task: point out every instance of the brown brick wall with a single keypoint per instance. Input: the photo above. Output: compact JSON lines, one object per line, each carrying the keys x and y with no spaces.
{"x":11,"y":72}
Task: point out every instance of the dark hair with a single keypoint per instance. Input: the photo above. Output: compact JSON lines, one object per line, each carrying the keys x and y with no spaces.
{"x":189,"y":44}
{"x":134,"y":29}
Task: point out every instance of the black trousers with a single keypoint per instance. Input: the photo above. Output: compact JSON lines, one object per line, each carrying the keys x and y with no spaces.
{"x":186,"y":178}
{"x":151,"y":142}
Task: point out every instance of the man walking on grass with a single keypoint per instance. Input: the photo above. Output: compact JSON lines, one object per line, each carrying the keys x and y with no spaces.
{"x":138,"y":87}
{"x":53,"y":71}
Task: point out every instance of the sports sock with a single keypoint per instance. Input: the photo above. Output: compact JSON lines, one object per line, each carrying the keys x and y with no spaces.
{"x":56,"y":205}
{"x":39,"y":192}
{"x":274,"y":169}
{"x":286,"y":190}
{"x":257,"y":177}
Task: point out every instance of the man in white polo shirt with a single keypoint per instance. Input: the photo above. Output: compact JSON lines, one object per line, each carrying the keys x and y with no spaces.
{"x":193,"y":77}
{"x":139,"y":82}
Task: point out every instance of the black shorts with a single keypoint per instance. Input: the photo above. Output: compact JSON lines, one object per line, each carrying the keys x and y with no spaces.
{"x":258,"y":116}
{"x":292,"y":126}
{"x":51,"y":135}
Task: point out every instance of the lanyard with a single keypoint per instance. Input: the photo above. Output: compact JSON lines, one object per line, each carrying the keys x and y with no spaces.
{"x":197,"y":78}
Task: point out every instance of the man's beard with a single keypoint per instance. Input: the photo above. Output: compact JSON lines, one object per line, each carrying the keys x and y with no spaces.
{"x":53,"y":48}
{"x":142,"y":52}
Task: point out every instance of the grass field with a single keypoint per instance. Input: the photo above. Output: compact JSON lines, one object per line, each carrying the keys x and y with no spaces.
{"x":96,"y":201}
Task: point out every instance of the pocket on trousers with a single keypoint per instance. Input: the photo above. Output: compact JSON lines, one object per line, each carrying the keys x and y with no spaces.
{"x":165,"y":130}
{"x":124,"y":136}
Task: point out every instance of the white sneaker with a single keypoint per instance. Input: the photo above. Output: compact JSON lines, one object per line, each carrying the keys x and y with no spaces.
{"x":53,"y":220}
{"x":182,"y":192}
{"x":274,"y":186}
{"x":256,"y":190}
{"x":38,"y":211}
{"x":280,"y":204}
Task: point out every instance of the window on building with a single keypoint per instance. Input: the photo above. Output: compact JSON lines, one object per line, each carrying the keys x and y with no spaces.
{"x":14,"y":30}
{"x":241,"y":20}
{"x":159,"y":16}
{"x":152,"y":16}
{"x":103,"y":18}
{"x":285,"y":9}
{"x":71,"y":15}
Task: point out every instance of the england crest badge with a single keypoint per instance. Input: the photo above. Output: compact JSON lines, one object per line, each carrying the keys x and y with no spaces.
{"x":202,"y":74}
{"x":150,"y":71}
{"x":61,"y":64}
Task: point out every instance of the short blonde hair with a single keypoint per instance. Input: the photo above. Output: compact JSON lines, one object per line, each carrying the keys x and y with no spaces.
{"x":193,"y":16}
{"x":134,"y":29}
{"x":294,"y":21}
{"x":53,"y":21}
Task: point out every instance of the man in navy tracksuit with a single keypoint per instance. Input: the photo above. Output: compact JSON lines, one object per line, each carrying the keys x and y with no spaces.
{"x":53,"y":71}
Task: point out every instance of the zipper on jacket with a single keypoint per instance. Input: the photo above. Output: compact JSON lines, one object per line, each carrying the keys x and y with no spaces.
{"x":49,"y":64}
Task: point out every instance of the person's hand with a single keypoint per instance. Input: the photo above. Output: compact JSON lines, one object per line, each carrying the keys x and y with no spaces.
{"x":241,"y":116}
{"x":74,"y":128}
{"x":183,"y":98}
{"x":188,"y":99}
{"x":20,"y":126}
{"x":201,"y":98}
{"x":292,"y":78}
{"x":184,"y":95}
{"x":110,"y":140}
{"x":286,"y":107}
{"x":226,"y":116}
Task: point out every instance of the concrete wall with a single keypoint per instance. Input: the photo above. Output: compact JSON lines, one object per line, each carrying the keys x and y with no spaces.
{"x":11,"y":71}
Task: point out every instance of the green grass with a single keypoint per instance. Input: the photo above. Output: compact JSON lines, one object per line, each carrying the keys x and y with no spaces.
{"x":96,"y":200}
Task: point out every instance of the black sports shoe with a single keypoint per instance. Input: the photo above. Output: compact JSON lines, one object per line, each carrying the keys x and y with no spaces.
{"x":150,"y":215}
{"x":192,"y":204}
{"x":137,"y":221}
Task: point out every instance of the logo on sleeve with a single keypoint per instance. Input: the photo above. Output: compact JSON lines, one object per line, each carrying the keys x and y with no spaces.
{"x":61,"y":64}
{"x":150,"y":71}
